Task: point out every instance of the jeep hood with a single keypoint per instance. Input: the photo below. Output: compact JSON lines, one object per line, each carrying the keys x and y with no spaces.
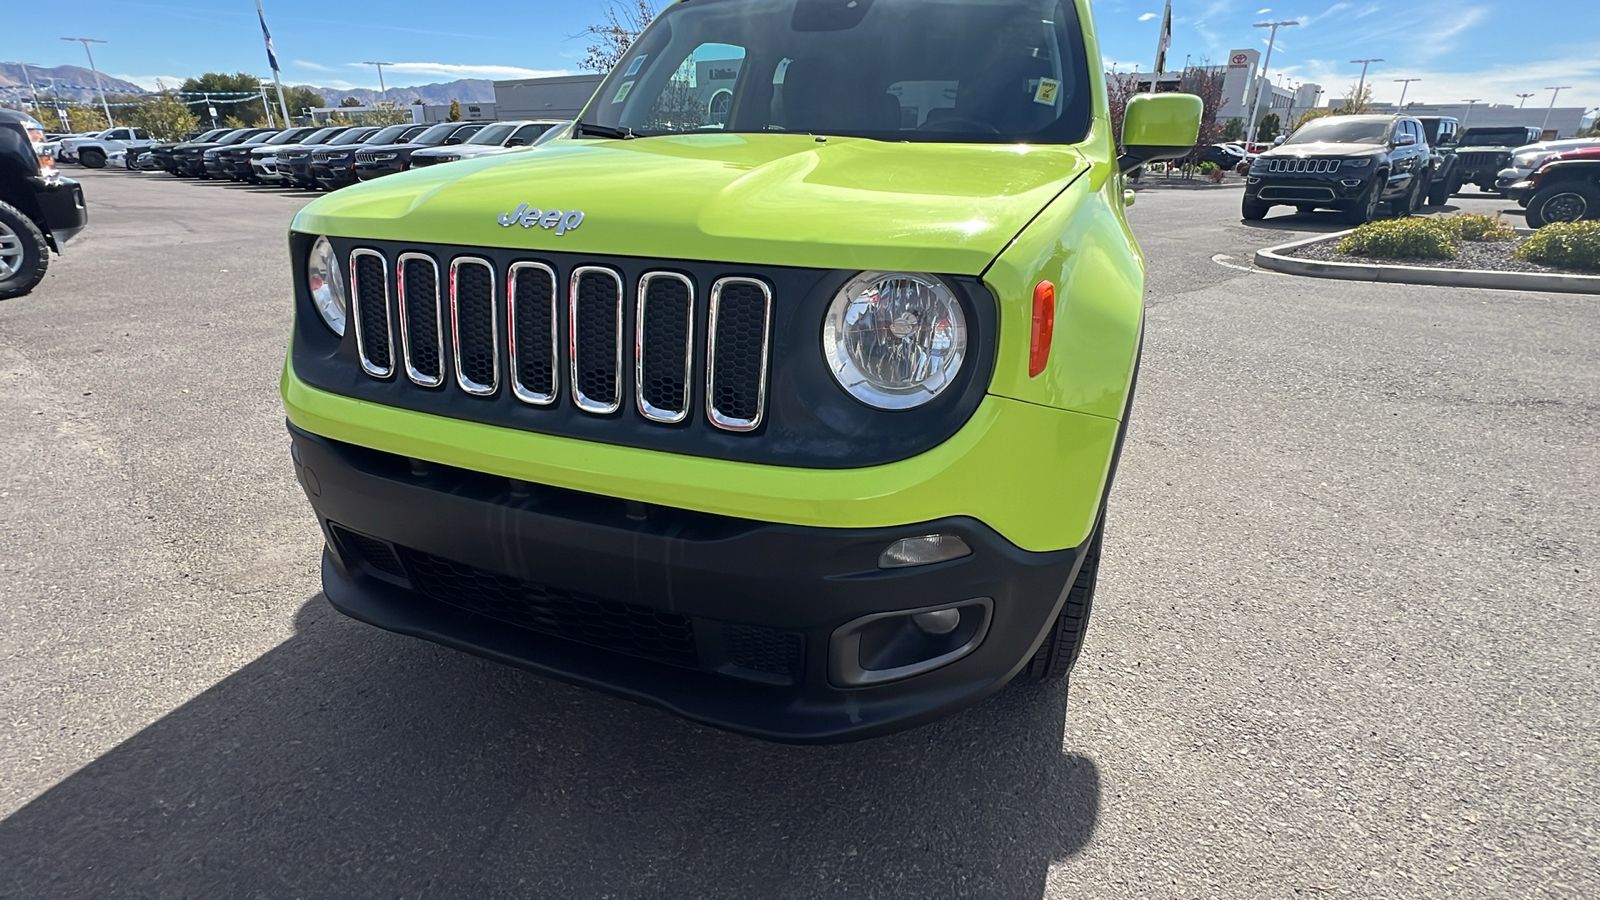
{"x":1323,"y":149}
{"x":771,"y":199}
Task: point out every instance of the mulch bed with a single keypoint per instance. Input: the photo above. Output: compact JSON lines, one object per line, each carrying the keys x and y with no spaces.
{"x":1492,"y":256}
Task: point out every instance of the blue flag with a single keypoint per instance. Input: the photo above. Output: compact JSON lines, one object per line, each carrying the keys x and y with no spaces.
{"x":272,"y":58}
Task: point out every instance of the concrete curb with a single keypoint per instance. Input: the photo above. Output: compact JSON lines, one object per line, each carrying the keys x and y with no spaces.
{"x":1271,"y":258}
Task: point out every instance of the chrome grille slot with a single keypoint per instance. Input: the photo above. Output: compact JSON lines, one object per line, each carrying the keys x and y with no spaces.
{"x":595,"y":324}
{"x":421,"y":334}
{"x":473,"y":322}
{"x":664,"y":346}
{"x":531,"y":311}
{"x":736,"y":355}
{"x":369,"y":282}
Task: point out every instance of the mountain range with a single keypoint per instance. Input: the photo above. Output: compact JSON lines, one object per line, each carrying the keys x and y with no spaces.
{"x":77,"y":83}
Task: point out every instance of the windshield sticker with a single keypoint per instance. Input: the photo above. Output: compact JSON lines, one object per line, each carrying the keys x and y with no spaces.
{"x":1046,"y":94}
{"x":622,"y":92}
{"x":634,"y":69}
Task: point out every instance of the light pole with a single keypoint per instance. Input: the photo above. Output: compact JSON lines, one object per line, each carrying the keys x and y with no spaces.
{"x":1261,"y":82}
{"x":1523,"y":99}
{"x":1361,"y":86}
{"x":382,"y":91}
{"x":1468,"y":117}
{"x":1555,"y":92}
{"x":1405,"y":83}
{"x":111,"y":123}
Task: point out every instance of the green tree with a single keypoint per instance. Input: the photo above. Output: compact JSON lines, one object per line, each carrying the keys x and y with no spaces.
{"x":1271,"y":127}
{"x":455,"y":111}
{"x":1356,"y":101}
{"x":386,"y":117}
{"x":1233,"y":130}
{"x":300,"y":99}
{"x":85,"y":118}
{"x":245,"y":108}
{"x":349,"y":102}
{"x":619,"y":26}
{"x":163,"y":115}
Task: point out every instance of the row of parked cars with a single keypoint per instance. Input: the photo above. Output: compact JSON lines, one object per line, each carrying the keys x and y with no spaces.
{"x":1367,"y":166}
{"x":316,"y":158}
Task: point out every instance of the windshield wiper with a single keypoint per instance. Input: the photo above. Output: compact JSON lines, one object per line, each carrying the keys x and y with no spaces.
{"x":621,"y":134}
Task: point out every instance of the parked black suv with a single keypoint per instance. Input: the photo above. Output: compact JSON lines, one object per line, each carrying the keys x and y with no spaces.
{"x":188,"y":160}
{"x":295,"y":163}
{"x":1441,"y":132}
{"x":162,"y":156}
{"x":334,"y":166}
{"x":39,"y":210}
{"x":380,"y":161}
{"x":1482,"y":152}
{"x":1353,"y":164}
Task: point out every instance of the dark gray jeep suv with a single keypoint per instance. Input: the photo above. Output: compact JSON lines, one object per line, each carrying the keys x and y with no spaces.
{"x":1354,"y":164}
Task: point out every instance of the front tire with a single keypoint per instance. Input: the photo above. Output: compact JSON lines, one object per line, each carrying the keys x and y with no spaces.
{"x":1563,"y":203}
{"x":1367,"y":205}
{"x":1439,"y":194}
{"x":1064,"y":643}
{"x":92,"y":159}
{"x":24,"y":255}
{"x":1254,"y":210}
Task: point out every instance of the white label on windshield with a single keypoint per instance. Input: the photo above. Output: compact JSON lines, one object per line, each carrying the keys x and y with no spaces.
{"x":1046,"y":94}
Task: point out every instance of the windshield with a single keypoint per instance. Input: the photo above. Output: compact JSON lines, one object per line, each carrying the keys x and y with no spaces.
{"x":1494,"y":137}
{"x":996,"y":71}
{"x":237,"y":136}
{"x":1341,"y":130}
{"x":288,"y":137}
{"x":321,"y":135}
{"x":389,"y":135}
{"x":354,"y":135}
{"x":494,"y":134}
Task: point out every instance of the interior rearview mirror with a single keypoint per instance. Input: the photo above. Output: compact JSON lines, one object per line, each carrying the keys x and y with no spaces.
{"x":516,"y":142}
{"x":1157,"y":127}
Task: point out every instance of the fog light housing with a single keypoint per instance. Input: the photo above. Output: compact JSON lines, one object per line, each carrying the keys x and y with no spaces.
{"x":923,"y":551}
{"x":889,"y":646}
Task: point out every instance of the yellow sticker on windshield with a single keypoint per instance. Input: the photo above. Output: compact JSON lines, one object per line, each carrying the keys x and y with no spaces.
{"x":1046,"y":93}
{"x":622,"y":92}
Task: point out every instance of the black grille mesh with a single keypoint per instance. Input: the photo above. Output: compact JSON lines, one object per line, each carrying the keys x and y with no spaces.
{"x":608,"y":624}
{"x":474,"y":305}
{"x":420,"y":303}
{"x":764,"y":649}
{"x":377,"y":554}
{"x":595,"y":325}
{"x":372,"y":295}
{"x":664,"y":382}
{"x":736,"y":362}
{"x":535,"y":299}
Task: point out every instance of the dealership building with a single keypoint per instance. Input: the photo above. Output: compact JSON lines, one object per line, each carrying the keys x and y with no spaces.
{"x":1240,"y":82}
{"x":1559,"y":122}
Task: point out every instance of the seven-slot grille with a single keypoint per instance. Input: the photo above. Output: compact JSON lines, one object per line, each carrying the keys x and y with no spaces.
{"x":1303,"y":166}
{"x":469,"y":311}
{"x":1488,"y":158}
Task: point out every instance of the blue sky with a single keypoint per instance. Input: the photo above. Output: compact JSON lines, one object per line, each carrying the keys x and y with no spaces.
{"x":1487,"y":49}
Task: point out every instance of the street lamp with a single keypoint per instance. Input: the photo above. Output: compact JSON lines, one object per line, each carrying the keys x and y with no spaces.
{"x":33,"y":93}
{"x":382,"y":91}
{"x":1468,"y":117}
{"x":1405,"y":83}
{"x":97,"y":85}
{"x":1523,"y":98}
{"x":1262,"y":81}
{"x":1555,"y":92}
{"x":1362,"y":85}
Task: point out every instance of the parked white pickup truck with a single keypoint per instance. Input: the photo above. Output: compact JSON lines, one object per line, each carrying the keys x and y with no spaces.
{"x":93,"y":151}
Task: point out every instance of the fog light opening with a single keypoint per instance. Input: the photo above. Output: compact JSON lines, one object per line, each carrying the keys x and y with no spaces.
{"x":890,"y":646}
{"x":923,"y":551}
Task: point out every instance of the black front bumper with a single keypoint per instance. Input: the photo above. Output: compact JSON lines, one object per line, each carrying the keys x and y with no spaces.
{"x":366,"y":171}
{"x":332,"y":176}
{"x":726,"y":621}
{"x":61,"y":208}
{"x":1327,"y":191}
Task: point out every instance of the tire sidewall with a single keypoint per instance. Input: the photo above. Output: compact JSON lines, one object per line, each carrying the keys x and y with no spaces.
{"x":1537,"y":204}
{"x":92,"y":159}
{"x":35,"y":253}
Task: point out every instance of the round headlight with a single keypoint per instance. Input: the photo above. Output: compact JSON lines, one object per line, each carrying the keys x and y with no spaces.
{"x":326,"y":279}
{"x":894,"y":340}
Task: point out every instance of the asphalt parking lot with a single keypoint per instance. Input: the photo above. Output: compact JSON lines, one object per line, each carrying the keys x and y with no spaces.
{"x":1345,"y":643}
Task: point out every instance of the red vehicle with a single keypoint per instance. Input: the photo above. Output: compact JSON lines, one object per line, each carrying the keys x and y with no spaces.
{"x":1565,"y":189}
{"x":1523,"y":190}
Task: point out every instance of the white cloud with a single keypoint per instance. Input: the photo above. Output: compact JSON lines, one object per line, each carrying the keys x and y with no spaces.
{"x":152,"y":82}
{"x":315,"y":67}
{"x":452,"y":71}
{"x":1260,"y":12}
{"x":1495,"y":84}
{"x":1147,"y":17}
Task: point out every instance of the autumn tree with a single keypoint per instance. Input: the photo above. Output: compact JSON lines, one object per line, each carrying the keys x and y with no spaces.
{"x":83,"y":119}
{"x":1205,"y":82}
{"x":163,"y":114}
{"x":621,"y":23}
{"x":1120,"y":88}
{"x":455,"y":111}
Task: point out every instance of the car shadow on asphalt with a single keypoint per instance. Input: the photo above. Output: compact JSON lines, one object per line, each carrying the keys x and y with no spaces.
{"x":348,"y":762}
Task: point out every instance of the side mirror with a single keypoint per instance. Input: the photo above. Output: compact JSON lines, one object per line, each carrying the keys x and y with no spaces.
{"x":1157,"y":127}
{"x":1277,"y":140}
{"x":1404,"y":140}
{"x":451,"y":142}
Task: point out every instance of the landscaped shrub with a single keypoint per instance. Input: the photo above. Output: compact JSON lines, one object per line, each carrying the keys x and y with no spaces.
{"x":1412,"y":238}
{"x":1573,"y":245}
{"x":1480,"y":227}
